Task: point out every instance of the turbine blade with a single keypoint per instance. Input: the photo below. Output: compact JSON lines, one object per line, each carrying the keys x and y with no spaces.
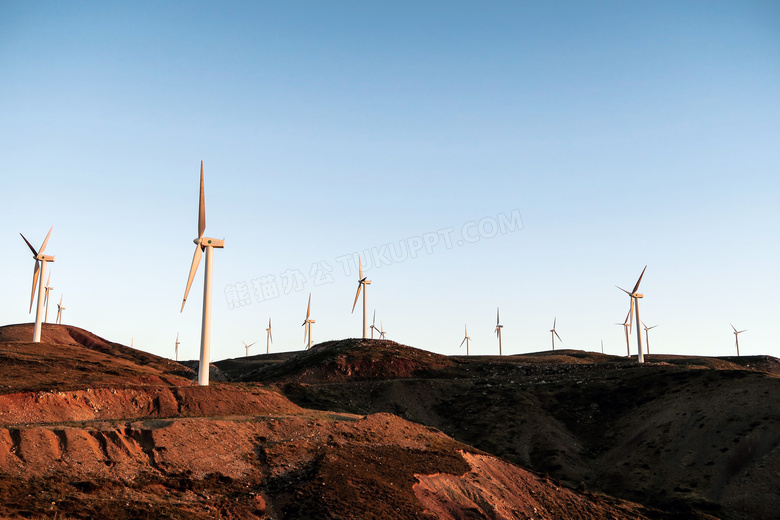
{"x":357,"y":296}
{"x":639,"y":281}
{"x":554,"y":321}
{"x":559,"y":338}
{"x":34,"y":252}
{"x":251,"y":344}
{"x":498,"y":320}
{"x":308,"y":308}
{"x":36,"y":268}
{"x":201,"y":206}
{"x":373,"y":322}
{"x":270,"y":336}
{"x":628,"y":293}
{"x":462,"y":342}
{"x":733,"y":327}
{"x":195,"y":262}
{"x":360,"y":266}
{"x":46,"y":240}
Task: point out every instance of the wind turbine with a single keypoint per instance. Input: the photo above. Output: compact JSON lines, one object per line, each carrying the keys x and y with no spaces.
{"x":60,"y":308}
{"x":268,"y":338}
{"x":466,"y":339}
{"x":307,"y":323}
{"x":626,"y":327}
{"x":208,"y":244}
{"x":635,"y":296}
{"x":177,"y":346}
{"x":498,"y":333}
{"x":362,"y":282}
{"x":647,"y":336}
{"x":554,"y":333}
{"x":38,"y":272}
{"x":247,"y":347}
{"x":381,"y":330}
{"x":48,"y":289}
{"x":373,"y":327}
{"x":736,"y":336}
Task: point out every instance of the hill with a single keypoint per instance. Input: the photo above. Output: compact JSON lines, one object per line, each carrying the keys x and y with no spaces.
{"x":95,"y":429}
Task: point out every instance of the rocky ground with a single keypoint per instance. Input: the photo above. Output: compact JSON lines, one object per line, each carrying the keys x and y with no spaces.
{"x":369,"y":429}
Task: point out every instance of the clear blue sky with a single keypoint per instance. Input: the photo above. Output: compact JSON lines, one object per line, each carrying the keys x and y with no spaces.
{"x":622,"y":133}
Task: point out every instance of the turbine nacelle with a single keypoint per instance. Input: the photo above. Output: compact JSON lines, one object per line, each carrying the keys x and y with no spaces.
{"x":209,"y":242}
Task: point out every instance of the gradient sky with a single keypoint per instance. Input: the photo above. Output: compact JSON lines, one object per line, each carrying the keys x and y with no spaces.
{"x":623,"y":134}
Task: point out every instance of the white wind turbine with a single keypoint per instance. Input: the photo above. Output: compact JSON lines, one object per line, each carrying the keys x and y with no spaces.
{"x":247,"y":347}
{"x":554,"y":334}
{"x":635,"y":296}
{"x":362,"y":282}
{"x":307,"y":323}
{"x":381,"y":330}
{"x":60,"y":308}
{"x":48,"y":289}
{"x":373,"y":327}
{"x":736,"y":336}
{"x":498,"y":333}
{"x":466,"y":340}
{"x":268,"y":338}
{"x":177,"y":346}
{"x":39,"y":271}
{"x":647,"y":336}
{"x":626,"y":327}
{"x":208,"y":244}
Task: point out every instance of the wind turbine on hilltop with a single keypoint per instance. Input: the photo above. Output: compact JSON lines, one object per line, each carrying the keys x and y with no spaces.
{"x":177,"y":346}
{"x":268,"y":338}
{"x":373,"y":327}
{"x":247,"y":347}
{"x":736,"y":336}
{"x":647,"y":336}
{"x":498,"y":333}
{"x":466,"y":340}
{"x":554,"y":333}
{"x":60,"y":308}
{"x":362,"y":282}
{"x":381,"y":330}
{"x":39,"y":272}
{"x":635,"y":296}
{"x":208,"y":244}
{"x":626,"y":327}
{"x":48,"y":289}
{"x":307,"y":323}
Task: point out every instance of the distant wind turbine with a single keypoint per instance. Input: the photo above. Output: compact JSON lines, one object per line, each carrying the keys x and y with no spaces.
{"x":602,"y":346}
{"x":362,"y":282}
{"x":48,"y":289}
{"x":626,"y":327}
{"x":268,"y":338}
{"x":381,"y":330}
{"x":736,"y":336}
{"x":373,"y":327}
{"x":498,"y":333}
{"x":247,"y":347}
{"x":307,"y":323}
{"x":177,"y":346}
{"x":466,"y":340}
{"x":554,"y":334}
{"x":647,"y":336}
{"x":60,"y":308}
{"x":39,"y":271}
{"x":635,"y":296}
{"x":208,"y":244}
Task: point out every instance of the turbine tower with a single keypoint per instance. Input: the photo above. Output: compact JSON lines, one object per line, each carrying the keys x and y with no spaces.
{"x":247,"y":347}
{"x":307,"y":323}
{"x":39,"y":271}
{"x":362,"y":282}
{"x":208,"y":244}
{"x":268,"y":338}
{"x":60,"y":308}
{"x":554,"y":333}
{"x":48,"y":289}
{"x":736,"y":336}
{"x":626,"y":327}
{"x":498,"y":333}
{"x":177,"y":346}
{"x":466,"y":340}
{"x":647,"y":336}
{"x":635,"y":296}
{"x":373,"y":327}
